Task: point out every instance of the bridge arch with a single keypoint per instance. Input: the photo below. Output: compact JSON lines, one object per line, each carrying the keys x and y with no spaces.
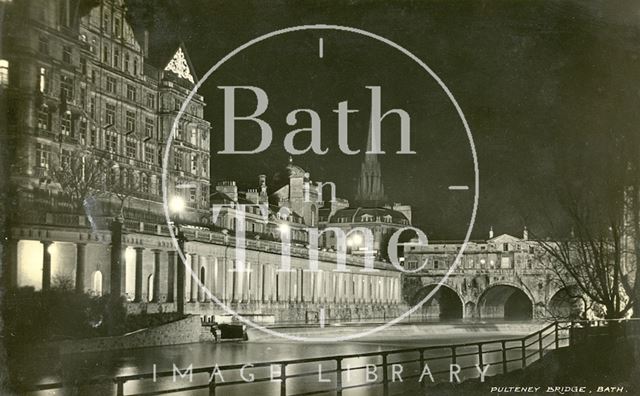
{"x":565,"y":303}
{"x":505,"y":301}
{"x":444,"y":304}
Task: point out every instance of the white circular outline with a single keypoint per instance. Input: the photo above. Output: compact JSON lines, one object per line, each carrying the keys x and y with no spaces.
{"x":298,"y":28}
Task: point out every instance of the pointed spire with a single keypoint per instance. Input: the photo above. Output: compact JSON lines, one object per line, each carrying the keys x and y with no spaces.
{"x":370,"y":187}
{"x":491,"y":232}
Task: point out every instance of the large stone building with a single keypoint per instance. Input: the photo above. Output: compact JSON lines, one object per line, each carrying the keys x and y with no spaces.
{"x":82,"y":95}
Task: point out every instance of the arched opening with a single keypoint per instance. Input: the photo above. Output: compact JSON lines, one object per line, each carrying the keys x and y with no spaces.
{"x":505,"y":302}
{"x":202,"y":294}
{"x":150,"y":290}
{"x":444,"y":304}
{"x":97,"y":283}
{"x":566,"y":304}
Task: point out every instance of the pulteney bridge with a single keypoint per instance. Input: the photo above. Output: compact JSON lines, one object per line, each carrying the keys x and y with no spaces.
{"x":501,"y":278}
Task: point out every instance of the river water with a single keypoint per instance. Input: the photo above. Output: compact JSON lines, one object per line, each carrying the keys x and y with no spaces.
{"x":70,"y":368}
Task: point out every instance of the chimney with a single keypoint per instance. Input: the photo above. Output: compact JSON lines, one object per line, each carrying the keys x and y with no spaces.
{"x":262,"y":189}
{"x":252,"y":195}
{"x":229,"y":188}
{"x":525,"y":234}
{"x":491,"y":232}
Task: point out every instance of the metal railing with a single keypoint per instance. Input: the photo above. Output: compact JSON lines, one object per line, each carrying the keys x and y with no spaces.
{"x":289,"y":378}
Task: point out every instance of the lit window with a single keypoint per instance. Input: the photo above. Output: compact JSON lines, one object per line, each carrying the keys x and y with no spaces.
{"x":4,"y":72}
{"x":43,"y":155}
{"x":66,"y":88}
{"x":144,"y":182}
{"x":150,"y":100}
{"x":66,"y":54}
{"x":192,"y":194}
{"x":194,"y":163}
{"x":112,"y":142}
{"x":194,"y":136}
{"x":130,"y":121}
{"x":149,"y":154}
{"x":148,"y":127}
{"x":65,"y":123}
{"x":111,"y":84}
{"x":131,"y":92}
{"x":110,"y":113}
{"x":44,"y":118}
{"x":131,"y":148}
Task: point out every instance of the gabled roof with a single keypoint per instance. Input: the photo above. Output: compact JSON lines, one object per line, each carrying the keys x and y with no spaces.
{"x":504,"y":238}
{"x":180,"y":64}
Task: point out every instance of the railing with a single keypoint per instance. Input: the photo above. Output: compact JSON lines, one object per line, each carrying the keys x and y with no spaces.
{"x":293,"y":377}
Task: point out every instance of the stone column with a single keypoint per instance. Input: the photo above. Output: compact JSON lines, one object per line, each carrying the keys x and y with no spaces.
{"x":194,"y":285}
{"x":46,"y":265}
{"x":156,"y":275}
{"x":138,"y":282}
{"x":80,"y":266}
{"x":171,"y":275}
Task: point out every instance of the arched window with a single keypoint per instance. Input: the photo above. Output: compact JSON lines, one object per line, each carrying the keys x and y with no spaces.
{"x":151,"y":292}
{"x":97,"y":283}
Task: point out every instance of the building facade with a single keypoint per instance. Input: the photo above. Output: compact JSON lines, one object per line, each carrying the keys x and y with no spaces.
{"x":83,"y":101}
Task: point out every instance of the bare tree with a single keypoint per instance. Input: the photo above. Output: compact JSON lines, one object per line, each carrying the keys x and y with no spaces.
{"x":81,"y":177}
{"x":123,"y":184}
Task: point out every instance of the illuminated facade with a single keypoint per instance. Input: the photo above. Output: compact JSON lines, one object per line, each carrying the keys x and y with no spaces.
{"x":79,"y":86}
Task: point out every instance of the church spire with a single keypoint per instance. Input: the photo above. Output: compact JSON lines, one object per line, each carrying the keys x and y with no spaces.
{"x":370,"y":187}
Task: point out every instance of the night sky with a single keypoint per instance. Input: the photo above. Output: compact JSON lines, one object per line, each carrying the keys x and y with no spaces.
{"x":546,"y":87}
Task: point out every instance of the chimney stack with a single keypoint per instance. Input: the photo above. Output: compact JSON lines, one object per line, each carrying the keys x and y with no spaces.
{"x":525,"y":234}
{"x":229,"y":188}
{"x":491,"y":232}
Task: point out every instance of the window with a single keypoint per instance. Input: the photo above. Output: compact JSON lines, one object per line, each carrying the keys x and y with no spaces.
{"x":436,"y":264}
{"x":4,"y":72}
{"x":110,"y":113}
{"x":83,"y":97}
{"x":531,"y":250}
{"x":505,"y":247}
{"x":43,"y":155}
{"x":126,"y":61}
{"x":150,"y":101}
{"x":116,"y":58}
{"x":194,"y":163}
{"x":149,"y":154}
{"x":83,"y":66}
{"x":130,"y":121}
{"x":144,"y":182}
{"x":131,"y":148}
{"x":43,"y":45}
{"x":44,"y":80}
{"x":94,"y":137}
{"x":192,"y":194}
{"x":148,"y":127}
{"x":135,"y":66}
{"x":93,"y":45}
{"x":94,"y":76}
{"x":112,"y":142}
{"x":194,"y":136}
{"x":111,"y":84}
{"x":131,"y":92}
{"x":66,"y":54}
{"x":105,"y":54}
{"x":66,"y":88}
{"x":92,"y":107}
{"x":65,"y":158}
{"x":105,"y":21}
{"x":82,"y":131}
{"x":65,"y":123}
{"x":44,"y":118}
{"x":116,"y":26}
{"x":179,"y":164}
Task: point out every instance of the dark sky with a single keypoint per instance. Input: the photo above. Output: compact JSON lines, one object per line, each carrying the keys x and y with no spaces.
{"x":545,"y":86}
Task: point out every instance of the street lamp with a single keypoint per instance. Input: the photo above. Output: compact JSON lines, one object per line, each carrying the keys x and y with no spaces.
{"x":176,"y":205}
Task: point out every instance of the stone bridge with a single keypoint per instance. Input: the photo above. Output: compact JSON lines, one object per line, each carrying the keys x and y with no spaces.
{"x":491,"y":294}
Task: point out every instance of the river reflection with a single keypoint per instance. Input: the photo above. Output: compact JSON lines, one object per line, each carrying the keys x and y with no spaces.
{"x":71,"y":368}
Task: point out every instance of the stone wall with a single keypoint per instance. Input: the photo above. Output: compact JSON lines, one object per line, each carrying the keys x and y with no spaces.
{"x":182,"y":331}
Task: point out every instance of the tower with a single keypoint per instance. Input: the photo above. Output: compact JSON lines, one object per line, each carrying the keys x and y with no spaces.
{"x":370,"y":190}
